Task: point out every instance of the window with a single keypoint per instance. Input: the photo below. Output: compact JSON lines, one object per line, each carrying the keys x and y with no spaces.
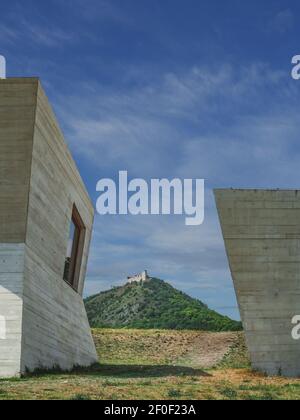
{"x":75,"y":250}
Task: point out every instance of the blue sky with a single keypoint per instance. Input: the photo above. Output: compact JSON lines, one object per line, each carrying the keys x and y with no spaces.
{"x":172,"y":88}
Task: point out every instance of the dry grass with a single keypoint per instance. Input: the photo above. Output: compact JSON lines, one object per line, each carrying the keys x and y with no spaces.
{"x":156,"y":365}
{"x":163,"y":347}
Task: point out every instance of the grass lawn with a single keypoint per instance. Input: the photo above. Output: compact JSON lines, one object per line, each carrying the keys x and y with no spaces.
{"x":171,"y":365}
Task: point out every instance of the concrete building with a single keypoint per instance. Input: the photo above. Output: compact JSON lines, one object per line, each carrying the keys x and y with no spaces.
{"x":261,"y":229}
{"x":46,"y":219}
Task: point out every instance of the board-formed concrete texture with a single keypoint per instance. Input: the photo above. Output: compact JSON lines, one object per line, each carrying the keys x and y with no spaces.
{"x":44,"y":317}
{"x":261,"y":229}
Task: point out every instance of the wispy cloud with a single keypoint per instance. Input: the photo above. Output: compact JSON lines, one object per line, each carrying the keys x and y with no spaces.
{"x":22,"y":30}
{"x":46,"y":36}
{"x":282,"y":22}
{"x":8,"y":34}
{"x":222,"y":125}
{"x":101,"y":10}
{"x":161,"y":125}
{"x":165,"y":91}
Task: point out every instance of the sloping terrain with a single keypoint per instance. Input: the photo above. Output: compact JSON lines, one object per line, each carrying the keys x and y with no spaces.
{"x":158,"y":365}
{"x":195,"y":349}
{"x":154,"y":304}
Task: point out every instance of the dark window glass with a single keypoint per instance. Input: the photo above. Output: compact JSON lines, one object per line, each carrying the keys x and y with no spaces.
{"x":74,"y":250}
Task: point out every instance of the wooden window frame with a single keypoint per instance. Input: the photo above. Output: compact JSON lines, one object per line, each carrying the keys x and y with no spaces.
{"x":77,"y":250}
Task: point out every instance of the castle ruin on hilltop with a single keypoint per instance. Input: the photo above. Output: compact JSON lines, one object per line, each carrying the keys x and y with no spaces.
{"x":143,"y":277}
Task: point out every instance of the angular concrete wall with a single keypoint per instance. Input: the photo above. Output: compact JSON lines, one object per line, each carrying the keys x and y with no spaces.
{"x":55,"y":186}
{"x":12,"y":260}
{"x":46,"y":322}
{"x":18,"y":99}
{"x":261,"y":229}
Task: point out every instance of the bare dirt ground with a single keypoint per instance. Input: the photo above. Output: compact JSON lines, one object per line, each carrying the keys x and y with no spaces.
{"x":209,"y":349}
{"x":156,"y":347}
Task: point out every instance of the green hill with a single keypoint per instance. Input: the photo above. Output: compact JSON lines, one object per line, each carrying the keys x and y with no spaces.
{"x":153,"y":304}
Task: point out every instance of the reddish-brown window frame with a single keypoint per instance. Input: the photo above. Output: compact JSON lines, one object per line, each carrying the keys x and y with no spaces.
{"x":77,"y":250}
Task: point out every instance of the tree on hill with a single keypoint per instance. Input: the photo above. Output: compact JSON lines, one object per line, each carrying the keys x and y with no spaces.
{"x":154,"y":304}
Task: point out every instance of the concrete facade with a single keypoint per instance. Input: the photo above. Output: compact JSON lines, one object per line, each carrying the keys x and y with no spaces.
{"x":46,"y":322}
{"x":261,"y":229}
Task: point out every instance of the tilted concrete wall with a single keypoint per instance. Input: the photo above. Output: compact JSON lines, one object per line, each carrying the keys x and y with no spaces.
{"x":12,"y":260}
{"x":47,"y":325}
{"x":18,"y":98}
{"x":261,"y":229}
{"x":55,"y":186}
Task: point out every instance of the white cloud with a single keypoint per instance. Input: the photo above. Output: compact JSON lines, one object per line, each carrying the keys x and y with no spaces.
{"x":231,"y":126}
{"x":146,"y":129}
